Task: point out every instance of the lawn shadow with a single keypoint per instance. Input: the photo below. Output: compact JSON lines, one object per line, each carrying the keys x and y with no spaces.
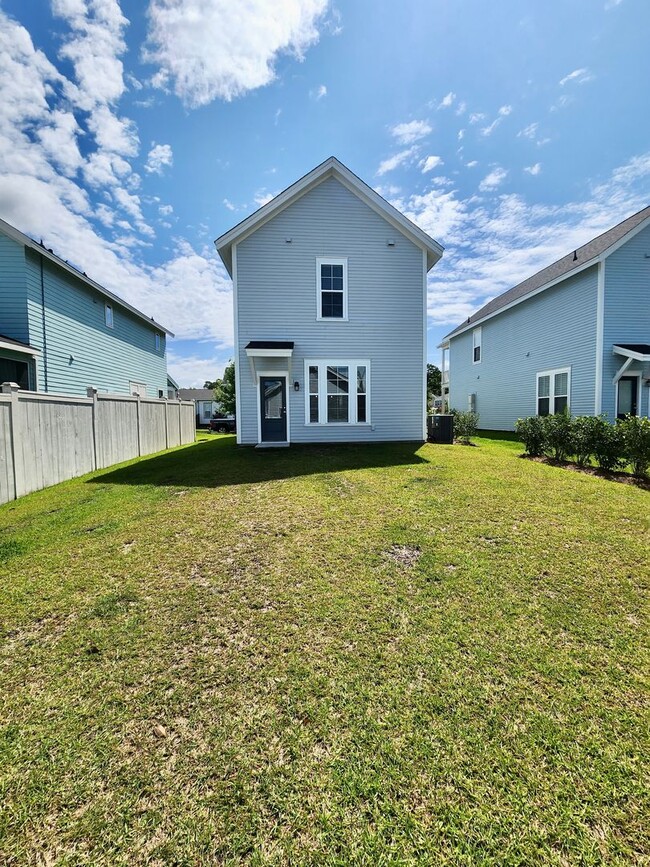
{"x":217,"y":462}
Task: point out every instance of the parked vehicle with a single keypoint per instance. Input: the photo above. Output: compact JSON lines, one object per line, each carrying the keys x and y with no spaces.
{"x":223,"y":425}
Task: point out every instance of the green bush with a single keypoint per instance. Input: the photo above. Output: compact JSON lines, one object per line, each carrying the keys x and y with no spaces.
{"x":532,"y":433}
{"x":465,"y":424}
{"x":559,"y":435}
{"x":608,"y":445}
{"x":585,"y":433}
{"x":635,"y":433}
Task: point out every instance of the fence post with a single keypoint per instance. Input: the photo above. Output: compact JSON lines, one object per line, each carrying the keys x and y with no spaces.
{"x":139,"y":418}
{"x":166,"y":425}
{"x":11,"y":388}
{"x":180,"y":423}
{"x":92,"y":392}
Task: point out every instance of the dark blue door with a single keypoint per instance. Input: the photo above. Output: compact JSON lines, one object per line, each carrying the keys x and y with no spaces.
{"x":273,"y":403}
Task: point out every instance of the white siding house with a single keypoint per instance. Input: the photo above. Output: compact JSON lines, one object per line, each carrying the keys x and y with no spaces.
{"x":575,"y":335}
{"x":330,"y":315}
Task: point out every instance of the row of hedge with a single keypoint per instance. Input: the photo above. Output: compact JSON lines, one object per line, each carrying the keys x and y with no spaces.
{"x":589,"y":439}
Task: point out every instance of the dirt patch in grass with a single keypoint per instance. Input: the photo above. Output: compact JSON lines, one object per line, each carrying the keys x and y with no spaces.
{"x":405,"y":555}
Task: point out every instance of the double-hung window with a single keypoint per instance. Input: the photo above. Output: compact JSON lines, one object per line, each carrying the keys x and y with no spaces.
{"x":108,"y":315}
{"x":337,"y":392}
{"x":476,"y":345}
{"x":553,"y":391}
{"x":332,"y":284}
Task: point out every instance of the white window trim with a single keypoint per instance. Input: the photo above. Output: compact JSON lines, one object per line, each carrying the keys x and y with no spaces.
{"x":551,"y":388}
{"x":323,"y":364}
{"x":158,"y":342}
{"x":477,"y":344}
{"x":331,"y":260}
{"x":108,"y":324}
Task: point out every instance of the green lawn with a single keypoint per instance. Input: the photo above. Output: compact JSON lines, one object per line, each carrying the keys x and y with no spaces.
{"x":374,"y":655}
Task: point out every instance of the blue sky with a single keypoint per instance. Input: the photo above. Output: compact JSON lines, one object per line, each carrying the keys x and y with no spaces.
{"x":132,"y":134}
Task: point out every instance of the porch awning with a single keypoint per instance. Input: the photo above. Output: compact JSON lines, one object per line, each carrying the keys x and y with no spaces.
{"x":17,"y":346}
{"x":631,"y":352}
{"x":270,"y":351}
{"x":270,"y":348}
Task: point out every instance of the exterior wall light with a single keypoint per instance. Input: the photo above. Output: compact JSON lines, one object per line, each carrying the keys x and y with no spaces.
{"x":296,"y":386}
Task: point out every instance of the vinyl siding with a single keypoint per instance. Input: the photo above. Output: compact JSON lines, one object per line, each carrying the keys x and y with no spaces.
{"x":554,"y":329}
{"x":81,"y":350}
{"x":13,"y":303}
{"x":276,"y":298}
{"x":627,"y":313}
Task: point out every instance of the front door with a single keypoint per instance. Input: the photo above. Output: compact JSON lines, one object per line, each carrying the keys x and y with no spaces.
{"x":273,"y":409}
{"x":628,"y":396}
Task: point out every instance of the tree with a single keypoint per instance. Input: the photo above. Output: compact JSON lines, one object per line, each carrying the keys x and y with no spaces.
{"x":212,"y":385}
{"x":224,"y":390}
{"x":434,"y":380}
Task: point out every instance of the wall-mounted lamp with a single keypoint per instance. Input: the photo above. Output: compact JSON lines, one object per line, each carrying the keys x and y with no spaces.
{"x":390,"y":243}
{"x":296,"y":386}
{"x":288,"y":240}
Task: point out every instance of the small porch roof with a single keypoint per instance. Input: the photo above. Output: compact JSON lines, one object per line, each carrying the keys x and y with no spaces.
{"x":17,"y":346}
{"x":635,"y":351}
{"x":270,"y":348}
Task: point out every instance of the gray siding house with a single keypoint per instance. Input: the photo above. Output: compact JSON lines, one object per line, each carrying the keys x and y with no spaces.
{"x":330,"y":315}
{"x":576,"y":335}
{"x":206,"y":407}
{"x":61,"y":332}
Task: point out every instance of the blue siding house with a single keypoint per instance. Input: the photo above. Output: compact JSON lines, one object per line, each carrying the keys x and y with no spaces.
{"x":330,"y":315}
{"x":576,"y":335}
{"x":62,"y":332}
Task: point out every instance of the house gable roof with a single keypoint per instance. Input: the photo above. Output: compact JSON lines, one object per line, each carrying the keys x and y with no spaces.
{"x":331,"y":168}
{"x":589,"y":254}
{"x":11,"y":232}
{"x":196,"y":394}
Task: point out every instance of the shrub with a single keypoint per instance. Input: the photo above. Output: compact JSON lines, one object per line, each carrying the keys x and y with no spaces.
{"x":585,"y":432}
{"x":635,"y":433}
{"x":608,"y":445}
{"x":532,"y":433}
{"x":559,"y":430}
{"x":465,"y":424}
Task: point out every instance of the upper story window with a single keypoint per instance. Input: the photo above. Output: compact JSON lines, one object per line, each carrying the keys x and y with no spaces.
{"x":476,"y":345}
{"x":108,"y":315}
{"x":553,"y":391}
{"x":157,"y":342}
{"x":332,"y":283}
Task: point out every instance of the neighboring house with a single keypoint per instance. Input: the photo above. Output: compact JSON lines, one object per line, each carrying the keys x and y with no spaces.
{"x":63,"y":332}
{"x":172,"y":388}
{"x":575,"y":335}
{"x":204,"y":402}
{"x":330,"y":315}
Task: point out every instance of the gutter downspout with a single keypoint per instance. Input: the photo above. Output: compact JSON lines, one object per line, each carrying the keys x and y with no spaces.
{"x":43,"y":321}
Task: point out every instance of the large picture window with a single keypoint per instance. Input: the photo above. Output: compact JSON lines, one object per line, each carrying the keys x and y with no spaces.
{"x":553,"y":391}
{"x":337,"y":392}
{"x":332,"y":282}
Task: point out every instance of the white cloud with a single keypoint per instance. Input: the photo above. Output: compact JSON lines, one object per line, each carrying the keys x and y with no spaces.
{"x":216,"y":49}
{"x":263,"y":196}
{"x":476,"y":117}
{"x":448,"y":100}
{"x":578,"y":76}
{"x":407,"y":133}
{"x":430,"y":163}
{"x":318,"y":92}
{"x":396,"y":160}
{"x":494,"y":243}
{"x":191,"y":371}
{"x":158,"y":158}
{"x":229,"y":205}
{"x":165,"y":210}
{"x":461,"y":108}
{"x":533,"y":170}
{"x":504,"y":111}
{"x":529,"y":131}
{"x":461,"y":134}
{"x":493,"y":180}
{"x":471,"y":164}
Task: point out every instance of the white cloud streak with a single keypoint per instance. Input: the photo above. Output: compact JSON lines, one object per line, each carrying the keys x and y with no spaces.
{"x":407,"y":133}
{"x":216,"y":49}
{"x":398,"y":159}
{"x":159,"y":157}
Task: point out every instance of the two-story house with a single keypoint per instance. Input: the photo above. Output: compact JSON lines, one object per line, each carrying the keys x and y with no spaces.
{"x":61,"y":332}
{"x":575,"y":335}
{"x":330,"y":289}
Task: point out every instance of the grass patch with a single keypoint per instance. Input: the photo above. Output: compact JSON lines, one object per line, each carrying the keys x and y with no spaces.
{"x":353,"y":655}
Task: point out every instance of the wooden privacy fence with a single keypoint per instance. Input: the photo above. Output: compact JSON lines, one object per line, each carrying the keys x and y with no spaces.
{"x":48,"y":438}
